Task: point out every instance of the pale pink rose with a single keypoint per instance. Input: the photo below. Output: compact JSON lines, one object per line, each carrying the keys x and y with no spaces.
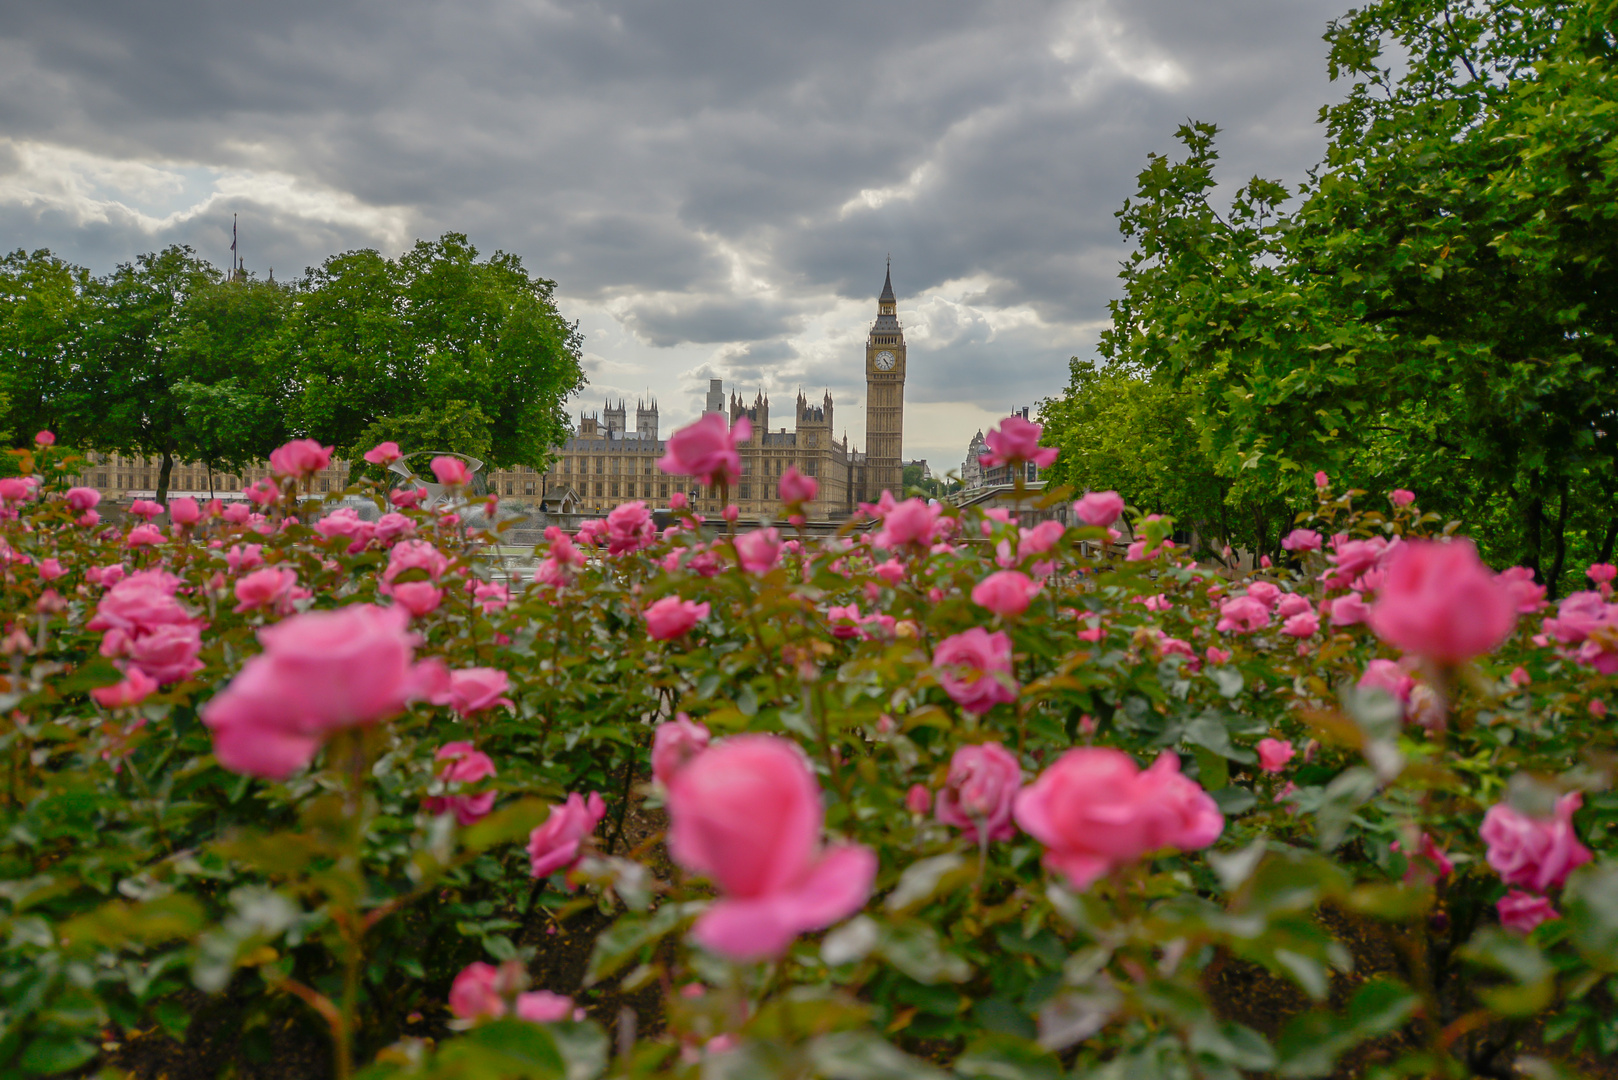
{"x":451,"y":471}
{"x":1349,"y":610}
{"x":543,"y":1007}
{"x":746,"y":814}
{"x":797,"y":488}
{"x":1242,"y":615}
{"x":630,"y":528}
{"x":474,"y":690}
{"x":383,"y":453}
{"x":410,"y":555}
{"x":1528,"y":595}
{"x":671,"y":617}
{"x":135,"y":688}
{"x":907,"y":523}
{"x":319,"y":671}
{"x":1099,"y":508}
{"x":1521,"y":911}
{"x":674,"y":743}
{"x":271,"y":587}
{"x":1094,"y":810}
{"x":918,"y":799}
{"x":1173,"y":646}
{"x":974,"y":669}
{"x":236,"y":513}
{"x":83,"y":498}
{"x":558,"y":844}
{"x":1273,"y":754}
{"x":977,"y":796}
{"x":478,"y":991}
{"x":1016,"y":440}
{"x":1577,"y":617}
{"x":1305,"y":624}
{"x":1386,"y":675}
{"x":45,"y":438}
{"x":707,"y":450}
{"x":184,"y":511}
{"x":1401,"y":497}
{"x":759,"y":551}
{"x":1441,"y":602}
{"x":1536,"y":853}
{"x":1301,"y":540}
{"x":1005,"y":592}
{"x":146,"y":508}
{"x":300,"y":459}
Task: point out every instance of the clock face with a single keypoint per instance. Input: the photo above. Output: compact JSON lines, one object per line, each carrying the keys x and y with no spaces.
{"x":884,"y":361}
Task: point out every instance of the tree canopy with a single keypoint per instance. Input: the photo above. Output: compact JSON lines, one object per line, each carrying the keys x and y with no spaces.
{"x":1433,"y":307}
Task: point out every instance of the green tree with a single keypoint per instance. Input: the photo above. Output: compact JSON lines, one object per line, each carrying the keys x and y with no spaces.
{"x":41,"y":309}
{"x":436,"y":344}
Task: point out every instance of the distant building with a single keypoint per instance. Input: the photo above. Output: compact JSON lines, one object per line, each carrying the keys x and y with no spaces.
{"x":920,"y":463}
{"x":971,"y":471}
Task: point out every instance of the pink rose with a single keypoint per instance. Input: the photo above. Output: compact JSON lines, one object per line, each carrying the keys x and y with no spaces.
{"x":271,"y":587}
{"x":261,"y":492}
{"x":1095,"y":810}
{"x":1273,"y":754}
{"x":406,"y":496}
{"x":907,"y":523}
{"x":1242,"y":615}
{"x":474,"y":690}
{"x":543,"y":1007}
{"x":918,"y":799}
{"x":300,"y":459}
{"x":319,"y":671}
{"x":796,"y":488}
{"x":236,"y":513}
{"x":50,"y":569}
{"x":1351,"y":558}
{"x":1265,"y":592}
{"x":1005,"y":592}
{"x":746,"y":813}
{"x":383,"y":453}
{"x":630,"y":528}
{"x":1440,"y":602}
{"x":1099,"y":508}
{"x":144,"y":536}
{"x":1537,"y":853}
{"x":1301,"y":540}
{"x":1528,"y":595}
{"x":1321,"y":480}
{"x":184,"y":511}
{"x":674,"y":743}
{"x":451,"y":471}
{"x":479,"y":991}
{"x":1577,"y":617}
{"x":1293,"y":604}
{"x":1386,"y":675}
{"x":1349,"y":609}
{"x":415,"y":555}
{"x":45,"y":438}
{"x":974,"y":668}
{"x":1521,"y":911}
{"x":978,"y":794}
{"x":83,"y":498}
{"x":135,"y":688}
{"x":1401,"y":497}
{"x":146,"y":508}
{"x":167,"y":653}
{"x":559,"y":843}
{"x":1302,"y":625}
{"x":1217,"y":656}
{"x":706,"y":450}
{"x":759,"y":551}
{"x":392,"y":527}
{"x":467,"y":765}
{"x":1016,"y":440}
{"x":671,"y":617}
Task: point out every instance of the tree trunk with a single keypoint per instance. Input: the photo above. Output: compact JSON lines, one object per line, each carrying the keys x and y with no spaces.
{"x":163,"y":475}
{"x":1532,"y":530}
{"x":1554,"y":586}
{"x":1608,"y":540}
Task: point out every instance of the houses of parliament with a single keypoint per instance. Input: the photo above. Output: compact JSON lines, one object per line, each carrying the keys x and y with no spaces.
{"x":609,"y":462}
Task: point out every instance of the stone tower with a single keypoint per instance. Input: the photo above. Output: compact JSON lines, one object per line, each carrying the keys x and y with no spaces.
{"x":614,"y":416}
{"x":885,"y":397}
{"x":646,"y":420}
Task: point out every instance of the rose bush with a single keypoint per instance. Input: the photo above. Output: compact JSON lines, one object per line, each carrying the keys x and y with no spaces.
{"x":945,"y":791}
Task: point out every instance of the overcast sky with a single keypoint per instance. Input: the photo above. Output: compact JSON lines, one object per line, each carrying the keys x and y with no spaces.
{"x":713,"y":184}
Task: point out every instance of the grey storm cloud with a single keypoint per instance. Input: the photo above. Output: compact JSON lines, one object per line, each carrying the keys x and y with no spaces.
{"x":713,"y":185}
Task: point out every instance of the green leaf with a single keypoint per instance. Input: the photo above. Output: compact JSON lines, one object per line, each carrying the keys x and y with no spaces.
{"x":49,"y":1055}
{"x":1006,"y":1057}
{"x":1590,"y":905}
{"x":921,"y":879}
{"x":507,"y":824}
{"x":915,"y":949}
{"x":864,"y":1055}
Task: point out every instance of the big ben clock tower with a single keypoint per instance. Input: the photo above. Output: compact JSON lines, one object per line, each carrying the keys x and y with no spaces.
{"x":885,"y":397}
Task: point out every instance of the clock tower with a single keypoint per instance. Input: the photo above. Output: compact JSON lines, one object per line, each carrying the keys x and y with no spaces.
{"x":885,"y":398}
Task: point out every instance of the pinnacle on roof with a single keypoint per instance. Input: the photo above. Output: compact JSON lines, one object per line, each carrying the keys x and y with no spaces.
{"x":887,"y":285}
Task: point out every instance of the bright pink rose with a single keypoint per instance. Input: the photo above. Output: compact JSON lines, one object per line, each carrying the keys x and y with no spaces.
{"x":1305,"y":624}
{"x":918,"y":799}
{"x":1321,"y":480}
{"x":146,"y":508}
{"x":1528,"y":594}
{"x":558,"y":844}
{"x":543,"y":1007}
{"x":138,"y":602}
{"x":479,"y":991}
{"x":1242,"y":615}
{"x":467,"y":765}
{"x":1428,"y":850}
{"x":406,"y":496}
{"x":345,"y":521}
{"x":45,"y":438}
{"x":1351,"y":558}
{"x":1099,"y":508}
{"x":451,"y":471}
{"x":415,"y":555}
{"x":475,"y":690}
{"x":1536,"y":853}
{"x":1401,"y":497}
{"x":1265,"y":592}
{"x":706,"y":450}
{"x":1577,"y":617}
{"x":383,"y":453}
{"x":759,"y":551}
{"x":167,"y":653}
{"x":135,"y":688}
{"x":184,"y":511}
{"x":1293,"y":604}
{"x":1301,"y":540}
{"x":236,"y":513}
{"x":908,"y":523}
{"x":630,"y":528}
{"x":1386,"y":675}
{"x":1273,"y":754}
{"x":319,"y":671}
{"x":674,"y":743}
{"x":671,"y":617}
{"x":392,"y":527}
{"x":1349,"y":609}
{"x":50,"y":569}
{"x":1095,"y":810}
{"x":979,"y":793}
{"x":1016,"y":440}
{"x":1521,"y":911}
{"x":1440,"y":602}
{"x":144,"y":536}
{"x":272,"y":587}
{"x":243,"y":557}
{"x":83,"y":498}
{"x":300,"y":459}
{"x":974,"y":668}
{"x":797,"y":488}
{"x":1005,"y":592}
{"x":746,"y":813}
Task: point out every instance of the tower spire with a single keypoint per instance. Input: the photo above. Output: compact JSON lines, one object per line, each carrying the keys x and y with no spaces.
{"x":887,"y":296}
